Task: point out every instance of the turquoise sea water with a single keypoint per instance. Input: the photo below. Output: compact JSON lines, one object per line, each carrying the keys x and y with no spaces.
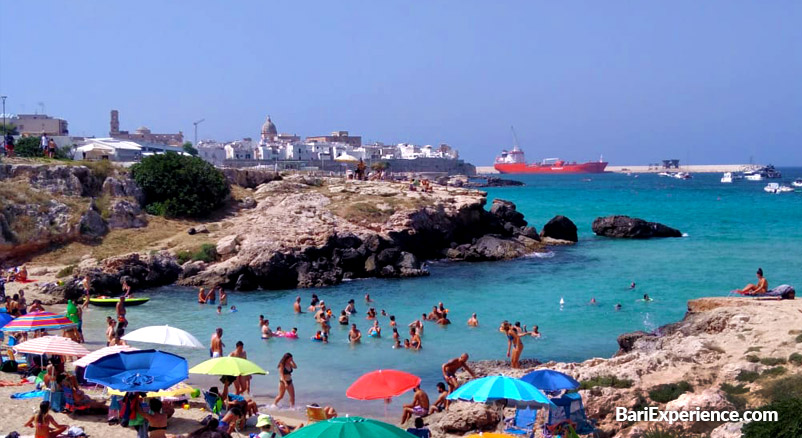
{"x":731,"y":230}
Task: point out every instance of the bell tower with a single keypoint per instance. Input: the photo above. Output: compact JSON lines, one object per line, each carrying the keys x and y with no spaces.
{"x":115,"y":123}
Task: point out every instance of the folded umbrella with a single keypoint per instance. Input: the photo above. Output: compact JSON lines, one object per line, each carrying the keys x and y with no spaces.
{"x":138,"y":371}
{"x":227,"y":366}
{"x":52,"y":345}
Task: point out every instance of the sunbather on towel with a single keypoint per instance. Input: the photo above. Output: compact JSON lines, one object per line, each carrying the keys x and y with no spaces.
{"x":756,"y":289}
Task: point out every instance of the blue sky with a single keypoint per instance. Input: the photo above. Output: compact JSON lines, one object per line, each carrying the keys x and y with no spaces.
{"x":706,"y":82}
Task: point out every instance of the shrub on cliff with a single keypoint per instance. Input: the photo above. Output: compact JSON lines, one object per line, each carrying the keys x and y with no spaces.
{"x":28,"y":147}
{"x":180,"y":186}
{"x":206,"y":253}
{"x":605,"y":381}
{"x":788,"y":424}
{"x":669,"y":391}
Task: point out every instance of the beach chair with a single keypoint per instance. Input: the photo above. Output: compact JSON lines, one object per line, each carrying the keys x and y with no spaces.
{"x":214,"y":403}
{"x":523,"y":423}
{"x":315,"y":414}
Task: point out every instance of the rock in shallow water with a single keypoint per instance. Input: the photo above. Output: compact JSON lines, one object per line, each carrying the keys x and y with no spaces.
{"x":560,"y":228}
{"x":631,"y":228}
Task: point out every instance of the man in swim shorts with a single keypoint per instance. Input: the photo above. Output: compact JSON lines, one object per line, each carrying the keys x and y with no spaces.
{"x":451,"y":367}
{"x":418,"y":407}
{"x":216,"y":349}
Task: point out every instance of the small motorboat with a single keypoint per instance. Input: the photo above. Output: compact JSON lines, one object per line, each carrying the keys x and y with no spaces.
{"x":727,"y":178}
{"x":797,"y":182}
{"x":772,"y":188}
{"x":682,"y":175}
{"x":112,"y":302}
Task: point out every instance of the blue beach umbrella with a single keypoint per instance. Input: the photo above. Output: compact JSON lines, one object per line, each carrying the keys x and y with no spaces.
{"x":550,"y":380}
{"x":138,"y":371}
{"x":5,"y":318}
{"x":503,"y":389}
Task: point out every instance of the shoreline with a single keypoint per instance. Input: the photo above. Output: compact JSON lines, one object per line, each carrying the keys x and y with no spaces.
{"x":692,"y":168}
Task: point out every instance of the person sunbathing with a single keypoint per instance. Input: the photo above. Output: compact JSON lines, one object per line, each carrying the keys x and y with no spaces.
{"x":22,"y":275}
{"x":755,"y":289}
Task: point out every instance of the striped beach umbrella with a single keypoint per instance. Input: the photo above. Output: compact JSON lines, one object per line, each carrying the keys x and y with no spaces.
{"x":38,"y":321}
{"x":52,"y":345}
{"x":103,"y":352}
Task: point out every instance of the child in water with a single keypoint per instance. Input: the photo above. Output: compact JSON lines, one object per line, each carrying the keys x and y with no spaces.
{"x":278,"y":331}
{"x":219,"y":310}
{"x":318,"y":336}
{"x":233,"y":309}
{"x":407,"y":345}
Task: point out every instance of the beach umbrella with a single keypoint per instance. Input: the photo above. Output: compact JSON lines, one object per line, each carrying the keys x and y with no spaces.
{"x":227,"y":366}
{"x":38,"y":321}
{"x":52,"y":345}
{"x":164,"y":335}
{"x":382,"y":384}
{"x":345,"y":158}
{"x":550,"y":380}
{"x":350,"y":427}
{"x":176,"y":390}
{"x":103,"y":352}
{"x":5,"y":318}
{"x":503,"y":389}
{"x":138,"y":371}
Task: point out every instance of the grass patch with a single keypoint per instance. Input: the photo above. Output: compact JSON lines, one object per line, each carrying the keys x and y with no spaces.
{"x":752,"y":349}
{"x":747,"y":376}
{"x":782,"y":388}
{"x":795,"y":358}
{"x":102,"y":169}
{"x":734,"y":389}
{"x":772,"y":361}
{"x":206,"y":253}
{"x":103,"y":204}
{"x":773,"y":372}
{"x":605,"y":381}
{"x":752,"y":358}
{"x":798,"y":339}
{"x":669,"y":391}
{"x":66,"y":271}
{"x":363,"y":211}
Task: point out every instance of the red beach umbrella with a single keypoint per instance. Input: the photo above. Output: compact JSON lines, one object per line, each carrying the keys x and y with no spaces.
{"x":382,"y":385}
{"x":38,"y":321}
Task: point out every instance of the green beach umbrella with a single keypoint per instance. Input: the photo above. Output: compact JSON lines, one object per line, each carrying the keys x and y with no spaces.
{"x":227,"y":366}
{"x":350,"y":427}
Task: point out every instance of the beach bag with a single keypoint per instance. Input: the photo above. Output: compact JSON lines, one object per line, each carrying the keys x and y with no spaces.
{"x":9,"y":366}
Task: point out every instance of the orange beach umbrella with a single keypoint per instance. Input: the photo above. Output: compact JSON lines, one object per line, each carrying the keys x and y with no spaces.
{"x":382,"y":384}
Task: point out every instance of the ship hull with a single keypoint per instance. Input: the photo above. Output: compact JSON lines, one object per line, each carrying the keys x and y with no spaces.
{"x":589,"y":167}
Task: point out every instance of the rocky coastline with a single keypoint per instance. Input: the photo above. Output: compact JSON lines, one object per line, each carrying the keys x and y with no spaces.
{"x":290,"y":231}
{"x":712,"y":349}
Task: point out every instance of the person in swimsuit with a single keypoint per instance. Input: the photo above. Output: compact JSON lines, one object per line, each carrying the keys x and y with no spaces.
{"x":441,"y":403}
{"x":473,"y":321}
{"x":157,"y":420}
{"x":756,"y":289}
{"x":434,"y":315}
{"x":216,"y":349}
{"x":392,"y":321}
{"x":535,"y":333}
{"x":371,"y":313}
{"x":266,"y":332}
{"x":375,"y":331}
{"x":419,"y":405}
{"x":396,"y":338}
{"x":313,"y":303}
{"x":285,"y":368}
{"x":243,"y":383}
{"x":223,"y":296}
{"x":228,"y":423}
{"x":111,"y":327}
{"x":343,"y":319}
{"x":42,"y":421}
{"x":23,"y":303}
{"x":354,"y":335}
{"x":296,"y":306}
{"x":211,"y":297}
{"x":367,"y":298}
{"x":415,"y":343}
{"x":121,"y":321}
{"x":202,"y":296}
{"x":514,"y":346}
{"x":451,"y":367}
{"x":350,"y":308}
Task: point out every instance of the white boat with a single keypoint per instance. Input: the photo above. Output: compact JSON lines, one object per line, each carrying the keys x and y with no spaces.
{"x":777,"y":188}
{"x":682,"y":175}
{"x":727,"y":178}
{"x":797,"y":182}
{"x":753,"y":176}
{"x":663,"y":174}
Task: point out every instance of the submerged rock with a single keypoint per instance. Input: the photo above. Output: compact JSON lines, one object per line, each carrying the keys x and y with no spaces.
{"x":632,"y":228}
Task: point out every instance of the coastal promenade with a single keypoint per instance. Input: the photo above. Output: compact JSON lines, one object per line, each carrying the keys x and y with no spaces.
{"x":695,"y":168}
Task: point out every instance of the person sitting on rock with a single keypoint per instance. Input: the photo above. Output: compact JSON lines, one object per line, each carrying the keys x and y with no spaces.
{"x":755,"y":289}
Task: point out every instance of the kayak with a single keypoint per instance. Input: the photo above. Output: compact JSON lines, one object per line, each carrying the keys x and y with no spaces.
{"x":111,"y":302}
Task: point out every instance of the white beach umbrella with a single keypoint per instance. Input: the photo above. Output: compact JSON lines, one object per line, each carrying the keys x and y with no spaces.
{"x":103,"y":352}
{"x":164,"y":335}
{"x":345,"y":158}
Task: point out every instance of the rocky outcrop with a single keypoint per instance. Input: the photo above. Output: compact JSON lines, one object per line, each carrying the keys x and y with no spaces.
{"x":706,"y":349}
{"x":59,"y":179}
{"x":139,"y":271}
{"x":560,"y":228}
{"x":123,"y":188}
{"x":318,"y":231}
{"x":249,"y":178}
{"x":631,"y":228}
{"x":477,"y":182}
{"x":126,"y":214}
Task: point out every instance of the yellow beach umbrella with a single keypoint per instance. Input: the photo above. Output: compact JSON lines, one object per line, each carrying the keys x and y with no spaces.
{"x":176,"y":390}
{"x":227,"y":366}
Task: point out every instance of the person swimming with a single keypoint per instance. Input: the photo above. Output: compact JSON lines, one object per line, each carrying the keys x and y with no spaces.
{"x":632,"y":286}
{"x":371,"y":313}
{"x":375,"y":331}
{"x":233,"y":309}
{"x":219,"y":310}
{"x":343,"y":319}
{"x":646,"y":297}
{"x":473,"y":321}
{"x":592,"y":300}
{"x":618,"y":306}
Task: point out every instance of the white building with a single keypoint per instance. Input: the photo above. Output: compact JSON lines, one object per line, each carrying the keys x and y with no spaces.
{"x":211,"y":151}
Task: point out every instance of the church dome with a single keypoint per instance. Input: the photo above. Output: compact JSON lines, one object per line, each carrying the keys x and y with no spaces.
{"x":269,"y":128}
{"x":142,"y":130}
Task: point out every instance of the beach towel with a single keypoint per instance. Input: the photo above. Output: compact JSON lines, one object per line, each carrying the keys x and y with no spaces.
{"x":29,"y":394}
{"x":784,"y":291}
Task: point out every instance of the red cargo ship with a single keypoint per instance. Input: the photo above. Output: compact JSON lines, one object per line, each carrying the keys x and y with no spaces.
{"x":514,"y":162}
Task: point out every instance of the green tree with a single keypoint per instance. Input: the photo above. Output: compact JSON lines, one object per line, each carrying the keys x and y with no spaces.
{"x":188,"y":148}
{"x":10,"y":128}
{"x":28,"y":147}
{"x":180,"y":186}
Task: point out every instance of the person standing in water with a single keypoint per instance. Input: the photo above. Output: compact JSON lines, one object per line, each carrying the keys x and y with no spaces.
{"x":122,"y":323}
{"x":285,"y":368}
{"x":354,"y":335}
{"x":202,"y":296}
{"x":514,"y":345}
{"x":296,"y":306}
{"x":473,"y":321}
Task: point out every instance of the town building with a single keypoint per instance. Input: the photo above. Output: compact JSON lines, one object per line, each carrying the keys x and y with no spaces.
{"x":337,"y":137}
{"x":38,"y":124}
{"x":142,"y":134}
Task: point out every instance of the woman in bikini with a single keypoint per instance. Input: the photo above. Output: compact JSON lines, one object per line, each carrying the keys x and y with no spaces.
{"x":157,"y":420}
{"x":42,"y":422}
{"x":514,"y":345}
{"x":285,"y":368}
